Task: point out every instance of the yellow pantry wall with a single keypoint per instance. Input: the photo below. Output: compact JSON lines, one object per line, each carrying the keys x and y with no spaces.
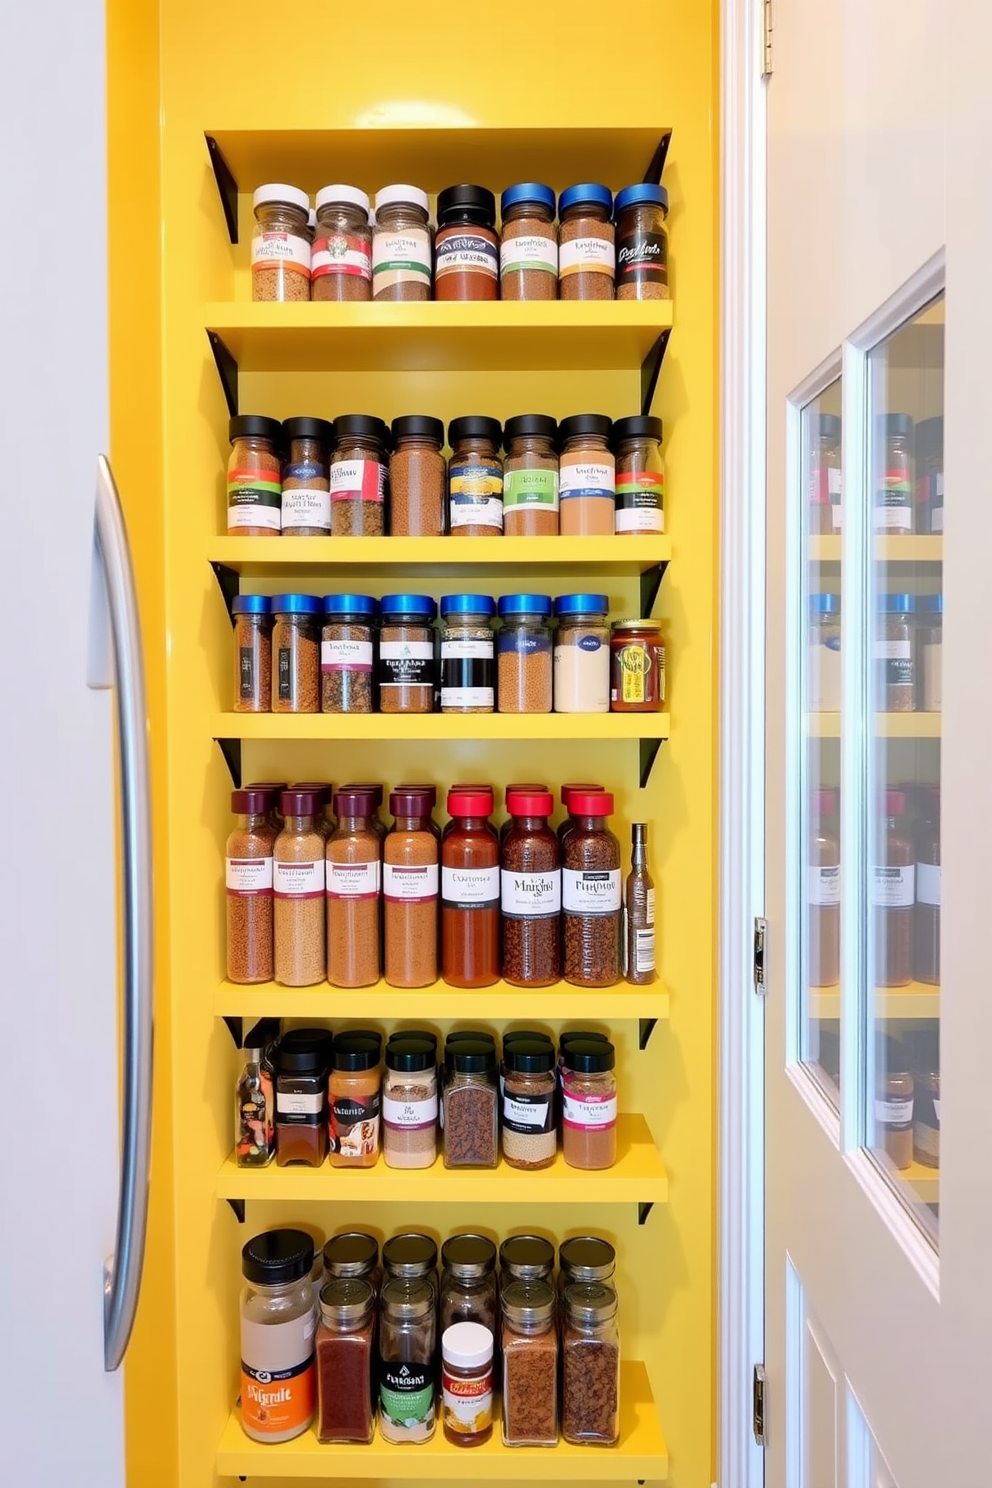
{"x":245,"y":65}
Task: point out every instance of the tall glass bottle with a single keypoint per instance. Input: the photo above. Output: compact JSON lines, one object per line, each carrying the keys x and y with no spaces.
{"x":640,"y":912}
{"x":254,"y":1104}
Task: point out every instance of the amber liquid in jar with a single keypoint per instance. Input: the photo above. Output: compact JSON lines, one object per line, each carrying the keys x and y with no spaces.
{"x":894,"y":897}
{"x":470,"y":894}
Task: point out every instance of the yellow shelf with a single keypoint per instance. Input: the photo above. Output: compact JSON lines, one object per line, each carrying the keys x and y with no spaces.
{"x":910,"y":548}
{"x":327,"y":337}
{"x":640,"y":1456}
{"x":638,"y":1177}
{"x":918,"y":1000}
{"x":440,"y":1003}
{"x":564,"y":727}
{"x":925,"y":1182}
{"x":887,"y":725}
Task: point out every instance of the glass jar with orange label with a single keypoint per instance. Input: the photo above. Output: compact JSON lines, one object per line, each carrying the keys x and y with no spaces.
{"x":637,"y":667}
{"x":278,"y":1323}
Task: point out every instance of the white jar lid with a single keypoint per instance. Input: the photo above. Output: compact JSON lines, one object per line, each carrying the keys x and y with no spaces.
{"x":389,"y":194}
{"x":467,"y":1345}
{"x":277,"y":191}
{"x":350,"y":194}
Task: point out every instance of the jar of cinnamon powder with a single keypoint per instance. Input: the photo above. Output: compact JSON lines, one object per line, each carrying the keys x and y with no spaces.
{"x":410,"y":884}
{"x":589,"y":1105}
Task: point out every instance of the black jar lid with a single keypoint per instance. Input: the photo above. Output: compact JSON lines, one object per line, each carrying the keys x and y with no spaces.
{"x":411,"y":1054}
{"x":276,"y":1257}
{"x":894,"y":423}
{"x":353,"y":1254}
{"x":308,"y":428}
{"x":360,"y":426}
{"x":409,"y":1255}
{"x":253,"y":426}
{"x":522,"y":1035}
{"x":589,"y":1057}
{"x":418,"y":426}
{"x":475,"y":426}
{"x":470,"y":1057}
{"x":587,"y":1258}
{"x":304,"y":1050}
{"x":638,"y":426}
{"x":399,"y":1034}
{"x":529,"y":1057}
{"x":539,"y":425}
{"x":527,"y":1257}
{"x":578,"y":424}
{"x":470,"y":1035}
{"x":468,"y":1257}
{"x":356,"y":1051}
{"x":466,"y":204}
{"x":580,"y":1035}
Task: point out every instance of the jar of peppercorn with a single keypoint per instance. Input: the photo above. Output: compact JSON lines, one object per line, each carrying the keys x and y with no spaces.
{"x":531,"y":892}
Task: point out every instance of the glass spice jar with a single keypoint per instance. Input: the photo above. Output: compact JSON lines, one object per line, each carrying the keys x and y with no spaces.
{"x":301,"y":1097}
{"x":823,"y":892}
{"x":894,"y":1091}
{"x":254,"y":476}
{"x":468,"y":1282}
{"x":894,"y":895}
{"x":531,"y":893}
{"x":416,"y":477}
{"x":930,"y":475}
{"x":528,"y":255}
{"x":410,"y":885}
{"x":475,"y":477}
{"x":248,"y":876}
{"x":894,"y":474}
{"x":470,"y":1112}
{"x":530,"y":1364}
{"x":341,"y":257}
{"x":586,"y":254}
{"x":354,"y":1100}
{"x":407,"y":672}
{"x":586,"y":476}
{"x":825,"y":477}
{"x":345,"y":1407}
{"x":926,"y":1116}
{"x":252,"y":653}
{"x":641,"y":216}
{"x":401,"y":245}
{"x":466,"y":246}
{"x":640,"y":501}
{"x":590,"y":894}
{"x":306,"y":501}
{"x":528,"y":1126}
{"x":637,"y":667}
{"x":409,"y":1103}
{"x":280,"y":243}
{"x":296,"y":648}
{"x":639,"y":948}
{"x":589,"y":1104}
{"x":467,"y":1384}
{"x":895,"y":670}
{"x":467,"y":653}
{"x":278,"y":1321}
{"x":411,"y":1257}
{"x":582,"y":654}
{"x":470,"y":893}
{"x":352,"y":1256}
{"x":530,"y":476}
{"x":590,"y":1372}
{"x":407,"y":1361}
{"x":524,"y":653}
{"x":346,"y":653}
{"x":359,"y":476}
{"x":298,"y":882}
{"x":525,"y":1258}
{"x":353,"y":870}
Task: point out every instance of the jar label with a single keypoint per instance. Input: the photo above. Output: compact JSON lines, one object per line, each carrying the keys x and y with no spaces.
{"x":294,"y":1103}
{"x":468,"y":1403}
{"x":518,"y":640}
{"x":401,"y":257}
{"x":354,"y":1125}
{"x":358,"y":480}
{"x":408,"y":1116}
{"x":476,"y":511}
{"x":298,"y":880}
{"x":253,"y":501}
{"x":642,"y":258}
{"x":470,"y":888}
{"x":406,"y":1397}
{"x":528,"y":1115}
{"x":590,"y":891}
{"x":531,"y":896}
{"x":590,"y":1112}
{"x":468,"y":697}
{"x":644,"y":950}
{"x":531,"y":488}
{"x":894,"y":503}
{"x":480,"y":649}
{"x":284,"y":672}
{"x":530,"y":251}
{"x":649,"y":907}
{"x":406,"y":664}
{"x":586,"y":256}
{"x":275,"y":1401}
{"x":306,"y":506}
{"x":640,"y":502}
{"x":346,"y":656}
{"x":416,"y":882}
{"x":895,"y":660}
{"x":280,"y":250}
{"x":465,"y":253}
{"x":353,"y":880}
{"x":823,"y":884}
{"x":246,"y":672}
{"x":894,"y":1111}
{"x":586,"y":478}
{"x":895,"y":888}
{"x":634,"y":666}
{"x":249,"y":876}
{"x":467,"y":673}
{"x":341,"y":253}
{"x":893,"y":650}
{"x":928,"y":883}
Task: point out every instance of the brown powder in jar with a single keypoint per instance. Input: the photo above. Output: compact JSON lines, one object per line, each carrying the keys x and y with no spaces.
{"x":279,"y":284}
{"x":296,"y":675}
{"x":530,"y":1385}
{"x":410,"y":897}
{"x":249,"y":915}
{"x":584,"y":283}
{"x":417,"y":477}
{"x":590,"y":1402}
{"x":299,"y":918}
{"x":353,"y":883}
{"x":252,"y":663}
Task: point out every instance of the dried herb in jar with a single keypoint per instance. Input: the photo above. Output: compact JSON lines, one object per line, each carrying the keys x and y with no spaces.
{"x":346,"y":653}
{"x":470,"y":1104}
{"x":530,"y":1365}
{"x":590,"y":1347}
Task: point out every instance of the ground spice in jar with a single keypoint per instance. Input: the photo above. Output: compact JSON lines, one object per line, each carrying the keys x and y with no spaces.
{"x":409,"y":1103}
{"x":301,"y":1097}
{"x":530,"y":476}
{"x":466,"y":247}
{"x":590,"y":1348}
{"x":359,"y":476}
{"x":470,"y":893}
{"x":894,"y":473}
{"x":475,"y":477}
{"x":353,"y":886}
{"x":306,"y":502}
{"x":254,"y":477}
{"x":341,"y":257}
{"x":470,"y":1104}
{"x":345,"y":1409}
{"x":894,"y":1091}
{"x":528,"y":255}
{"x":530,"y":1138}
{"x":416,"y":477}
{"x":346,"y":653}
{"x":467,"y":653}
{"x":582,"y":654}
{"x":823,"y":892}
{"x":354,"y":1100}
{"x":252,"y":653}
{"x":586,"y":256}
{"x":531,"y":893}
{"x":640,"y":499}
{"x":280,"y":244}
{"x":406,"y":654}
{"x":298,"y":884}
{"x":410,"y":885}
{"x":641,"y":214}
{"x":590,"y":894}
{"x":589,"y":1104}
{"x":586,"y":476}
{"x":296,"y":648}
{"x":401,"y":245}
{"x":248,"y":873}
{"x":895,"y":673}
{"x":530,"y":1365}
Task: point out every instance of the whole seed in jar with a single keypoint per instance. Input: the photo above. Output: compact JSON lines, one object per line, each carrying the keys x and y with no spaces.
{"x":530,"y":476}
{"x":406,"y":654}
{"x":524,"y":654}
{"x":254,"y":476}
{"x":296,"y":653}
{"x":306,"y":501}
{"x":586,"y":476}
{"x":590,"y":1350}
{"x":528,"y":255}
{"x":586,"y":256}
{"x":641,"y":214}
{"x":346,"y":653}
{"x":582,"y":654}
{"x":341,"y":257}
{"x":248,"y":874}
{"x":359,"y":476}
{"x":475,"y":477}
{"x":252,"y":653}
{"x":409,"y":1102}
{"x":280,"y":244}
{"x":298,"y":880}
{"x":591,"y":894}
{"x":417,"y":474}
{"x":531,"y":893}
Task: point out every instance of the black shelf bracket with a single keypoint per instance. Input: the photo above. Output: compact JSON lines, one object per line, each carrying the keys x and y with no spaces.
{"x":656,"y":165}
{"x":650,"y":584}
{"x":227,"y":186}
{"x":648,"y":754}
{"x":645,"y":1028}
{"x":643,"y":1210}
{"x":231,"y":750}
{"x":650,"y":368}
{"x":238,"y":1209}
{"x":227,"y":371}
{"x":230,"y":584}
{"x":235,"y":1027}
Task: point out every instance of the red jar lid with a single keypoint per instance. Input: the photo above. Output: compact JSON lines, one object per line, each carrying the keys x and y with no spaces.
{"x":470,"y":803}
{"x":530,"y":803}
{"x":895,"y":803}
{"x":824,"y":802}
{"x":567,"y":791}
{"x":591,"y":803}
{"x":297,"y":802}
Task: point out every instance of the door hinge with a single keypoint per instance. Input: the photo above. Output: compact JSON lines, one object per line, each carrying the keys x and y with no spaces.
{"x":766,"y":39}
{"x":760,"y":937}
{"x":758,"y":1405}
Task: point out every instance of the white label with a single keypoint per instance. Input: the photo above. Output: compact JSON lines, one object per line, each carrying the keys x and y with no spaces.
{"x":407,"y":1115}
{"x":649,"y":907}
{"x":590,"y":890}
{"x":892,"y":651}
{"x":254,"y":516}
{"x":928,"y":883}
{"x":470,"y":885}
{"x":525,"y":1114}
{"x":399,"y":251}
{"x":346,"y":656}
{"x":893,"y":518}
{"x":299,"y":1105}
{"x":306,"y":507}
{"x":472,"y":1406}
{"x":352,"y":259}
{"x":895,"y":888}
{"x":467,"y":697}
{"x":298,"y":880}
{"x":349,"y":475}
{"x":823,"y":675}
{"x":599,"y":1111}
{"x":927,"y":1139}
{"x":644,"y":950}
{"x":531,"y":248}
{"x":937,"y":514}
{"x":640,"y":519}
{"x":835,"y":516}
{"x":833,"y":481}
{"x":597,"y":253}
{"x":480,"y":650}
{"x":824,"y":884}
{"x":353,"y":880}
{"x":405,"y":651}
{"x":531,"y":895}
{"x":893,"y":1112}
{"x":249,"y":875}
{"x":279,"y":248}
{"x":481,"y":511}
{"x":586,"y":479}
{"x":416,"y":882}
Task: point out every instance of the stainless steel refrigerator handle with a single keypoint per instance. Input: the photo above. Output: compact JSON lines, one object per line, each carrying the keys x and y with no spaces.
{"x":122,"y":1274}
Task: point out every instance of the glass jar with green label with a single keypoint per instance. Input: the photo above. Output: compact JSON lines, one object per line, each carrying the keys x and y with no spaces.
{"x":640,"y":488}
{"x":894,"y":476}
{"x":407,"y":1365}
{"x":530,"y":476}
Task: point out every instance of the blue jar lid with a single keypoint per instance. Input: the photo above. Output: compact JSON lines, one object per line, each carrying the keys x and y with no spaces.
{"x":645,"y":191}
{"x":420,"y":605}
{"x":582,"y":604}
{"x":895,"y":604}
{"x":588,"y":192}
{"x":527,"y":191}
{"x":824,"y":604}
{"x":932,"y":604}
{"x":350,"y":604}
{"x":250,"y":604}
{"x":296,"y":604}
{"x":524,"y":604}
{"x":467,"y":604}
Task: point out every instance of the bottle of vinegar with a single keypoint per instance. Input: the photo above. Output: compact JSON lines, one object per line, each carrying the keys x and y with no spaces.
{"x":640,"y":912}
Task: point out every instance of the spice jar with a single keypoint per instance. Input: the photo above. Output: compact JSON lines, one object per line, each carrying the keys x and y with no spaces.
{"x":894,"y":493}
{"x":359,"y":476}
{"x":416,"y":477}
{"x":639,"y":946}
{"x":825,"y":477}
{"x":528,"y":255}
{"x":531,"y":893}
{"x":823,"y":892}
{"x":345,"y":1411}
{"x":470,"y":893}
{"x":346,"y":653}
{"x":280,"y":244}
{"x":341,"y":257}
{"x":401,"y":245}
{"x":524,"y":650}
{"x":467,"y":653}
{"x":823,"y":669}
{"x":641,"y":216}
{"x":640,"y":502}
{"x":926,"y":1118}
{"x":894,"y":1090}
{"x":466,"y":247}
{"x":298,"y":882}
{"x":306,"y":502}
{"x":930,"y":475}
{"x":406,"y":1362}
{"x":895,"y":672}
{"x":930,"y":654}
{"x":354,"y":1099}
{"x":530,"y":476}
{"x":582,"y":654}
{"x":301,"y":1097}
{"x":475,"y":477}
{"x":352,"y":1256}
{"x":530,"y":1364}
{"x":589,"y":1104}
{"x":470,"y":1105}
{"x":254,"y":1099}
{"x":467,"y":1383}
{"x":637,"y":667}
{"x":586,"y":476}
{"x":278,"y":1387}
{"x":252,"y":653}
{"x":254,"y":477}
{"x":586,"y":255}
{"x":590,"y":894}
{"x":567,"y":792}
{"x":525,"y":1258}
{"x":296,"y":644}
{"x":590,"y":1374}
{"x":530,"y":1137}
{"x":409,"y":1103}
{"x":468,"y":1282}
{"x":516,"y":788}
{"x":894,"y":895}
{"x":411,"y":1257}
{"x":353,"y":886}
{"x":406,"y":654}
{"x":410,"y":884}
{"x":585,"y":1258}
{"x":926,"y":960}
{"x":248,"y":879}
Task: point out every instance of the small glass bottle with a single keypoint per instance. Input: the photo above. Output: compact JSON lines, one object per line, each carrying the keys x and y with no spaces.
{"x":639,"y":907}
{"x":401,"y":245}
{"x":528,"y":1125}
{"x":467,"y":1383}
{"x":296,"y":653}
{"x":823,"y":892}
{"x":641,"y":216}
{"x":252,"y":653}
{"x":468,"y":1282}
{"x":301,"y":1097}
{"x":823,"y":670}
{"x":254,"y":1102}
{"x":359,"y":476}
{"x":280,"y":243}
{"x":528,"y":255}
{"x":299,"y":888}
{"x":341,"y":257}
{"x":894,"y":477}
{"x":586,"y":253}
{"x":466,"y":245}
{"x":467,"y":654}
{"x":591,"y":894}
{"x":417,"y":477}
{"x":589,"y":1104}
{"x":411,"y":1257}
{"x":587,"y":478}
{"x":825,"y":478}
{"x":470,"y":1103}
{"x":248,"y":881}
{"x":530,"y":1364}
{"x":407,"y":1362}
{"x":409,"y":1103}
{"x":306,"y":501}
{"x":278,"y":1322}
{"x":346,"y":653}
{"x":470,"y":893}
{"x":410,"y":893}
{"x":894,"y":1092}
{"x":530,"y":476}
{"x":582,"y":654}
{"x":894,"y":895}
{"x":254,"y":477}
{"x":475,"y":477}
{"x":590,"y":1348}
{"x":346,"y":1412}
{"x":895,"y":670}
{"x":637,"y":666}
{"x":930,"y":475}
{"x":354,"y":1100}
{"x":525,"y":1258}
{"x":926,"y":962}
{"x":930,"y":652}
{"x":354,"y":882}
{"x":406,"y":654}
{"x":530,"y":882}
{"x":640,"y":504}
